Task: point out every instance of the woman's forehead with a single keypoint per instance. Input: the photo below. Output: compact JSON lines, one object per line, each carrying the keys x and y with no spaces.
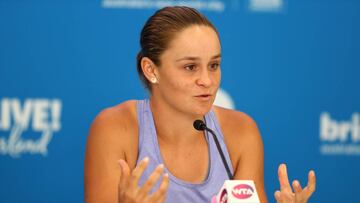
{"x":195,"y":41}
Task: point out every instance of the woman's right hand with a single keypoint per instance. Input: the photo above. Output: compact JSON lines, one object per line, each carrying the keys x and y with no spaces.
{"x":131,"y":192}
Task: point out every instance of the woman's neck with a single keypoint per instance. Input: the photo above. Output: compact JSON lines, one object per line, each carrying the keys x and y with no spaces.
{"x":173,"y":125}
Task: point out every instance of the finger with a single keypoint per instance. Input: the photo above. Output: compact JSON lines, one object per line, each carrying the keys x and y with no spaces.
{"x":160,"y":194}
{"x":297,"y":187}
{"x":125,"y":173}
{"x":277,"y":196}
{"x":137,"y":172}
{"x":311,"y":183}
{"x":152,"y":179}
{"x":283,"y":178}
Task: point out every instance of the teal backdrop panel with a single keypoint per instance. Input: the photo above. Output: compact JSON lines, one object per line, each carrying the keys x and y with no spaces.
{"x":294,"y":66}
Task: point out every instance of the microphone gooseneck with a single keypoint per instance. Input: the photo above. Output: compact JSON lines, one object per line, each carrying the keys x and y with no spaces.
{"x":201,"y":126}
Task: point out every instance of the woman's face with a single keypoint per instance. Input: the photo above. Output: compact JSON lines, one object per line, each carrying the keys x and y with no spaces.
{"x":189,"y":75}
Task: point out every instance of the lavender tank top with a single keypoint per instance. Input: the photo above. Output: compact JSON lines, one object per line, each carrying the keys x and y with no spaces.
{"x":180,"y":191}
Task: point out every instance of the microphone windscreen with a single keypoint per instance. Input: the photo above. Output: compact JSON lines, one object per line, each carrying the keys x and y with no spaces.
{"x":199,"y":125}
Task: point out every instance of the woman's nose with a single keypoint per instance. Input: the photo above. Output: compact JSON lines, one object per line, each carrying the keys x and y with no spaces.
{"x":204,"y":78}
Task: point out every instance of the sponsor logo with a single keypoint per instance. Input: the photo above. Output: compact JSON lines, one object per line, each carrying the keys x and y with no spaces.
{"x":206,"y":5}
{"x":266,"y":5}
{"x":34,"y":119}
{"x":242,"y":191}
{"x":210,"y":5}
{"x":339,"y":137}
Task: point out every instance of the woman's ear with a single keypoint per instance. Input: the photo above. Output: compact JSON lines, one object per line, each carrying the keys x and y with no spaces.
{"x":149,"y":69}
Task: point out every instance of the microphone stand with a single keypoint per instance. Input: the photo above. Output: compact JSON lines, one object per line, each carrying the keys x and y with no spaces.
{"x":200,"y":125}
{"x":221,"y":153}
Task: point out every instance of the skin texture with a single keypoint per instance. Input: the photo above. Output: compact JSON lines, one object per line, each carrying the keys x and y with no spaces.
{"x":184,"y":86}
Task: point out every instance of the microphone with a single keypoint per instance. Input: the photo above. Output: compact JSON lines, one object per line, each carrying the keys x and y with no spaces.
{"x":201,"y":126}
{"x":233,"y":191}
{"x":237,"y":191}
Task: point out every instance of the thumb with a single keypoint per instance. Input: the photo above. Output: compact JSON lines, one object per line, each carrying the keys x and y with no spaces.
{"x":125,"y":173}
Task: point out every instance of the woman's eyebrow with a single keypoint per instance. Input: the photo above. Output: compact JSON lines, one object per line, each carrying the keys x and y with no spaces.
{"x":194,"y":58}
{"x":216,"y":56}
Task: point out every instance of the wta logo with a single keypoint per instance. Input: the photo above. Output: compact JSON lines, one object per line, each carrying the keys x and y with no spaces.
{"x":242,"y":191}
{"x":223,"y":196}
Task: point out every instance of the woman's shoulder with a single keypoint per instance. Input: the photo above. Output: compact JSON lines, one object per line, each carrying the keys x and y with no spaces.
{"x":115,"y":128}
{"x":117,"y":118}
{"x":242,"y":138}
{"x":239,"y":129}
{"x":231,"y":120}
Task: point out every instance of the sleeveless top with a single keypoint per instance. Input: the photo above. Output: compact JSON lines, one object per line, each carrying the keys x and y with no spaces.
{"x":180,"y":191}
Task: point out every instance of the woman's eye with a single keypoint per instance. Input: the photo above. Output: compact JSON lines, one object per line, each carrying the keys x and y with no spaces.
{"x":214,"y":66}
{"x":190,"y":67}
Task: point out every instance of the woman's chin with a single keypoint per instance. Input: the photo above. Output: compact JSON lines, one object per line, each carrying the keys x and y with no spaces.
{"x":201,"y":111}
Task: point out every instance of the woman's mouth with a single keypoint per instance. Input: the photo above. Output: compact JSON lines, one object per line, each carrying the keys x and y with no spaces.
{"x":203,"y":97}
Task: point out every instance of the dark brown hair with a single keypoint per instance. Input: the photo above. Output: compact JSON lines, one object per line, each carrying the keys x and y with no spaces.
{"x":161,"y":28}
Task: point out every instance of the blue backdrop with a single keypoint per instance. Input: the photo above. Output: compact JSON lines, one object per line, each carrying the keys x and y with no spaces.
{"x":292,"y":65}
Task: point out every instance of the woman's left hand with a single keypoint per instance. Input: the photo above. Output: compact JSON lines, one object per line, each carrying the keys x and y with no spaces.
{"x":295,"y":194}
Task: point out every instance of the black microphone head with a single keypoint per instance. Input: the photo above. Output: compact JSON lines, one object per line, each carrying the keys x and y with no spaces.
{"x":199,"y":125}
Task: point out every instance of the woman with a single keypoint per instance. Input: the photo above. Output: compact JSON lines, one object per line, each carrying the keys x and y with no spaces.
{"x":162,"y":158}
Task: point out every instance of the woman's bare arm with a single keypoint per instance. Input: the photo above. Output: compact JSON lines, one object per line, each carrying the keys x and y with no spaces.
{"x":108,"y":141}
